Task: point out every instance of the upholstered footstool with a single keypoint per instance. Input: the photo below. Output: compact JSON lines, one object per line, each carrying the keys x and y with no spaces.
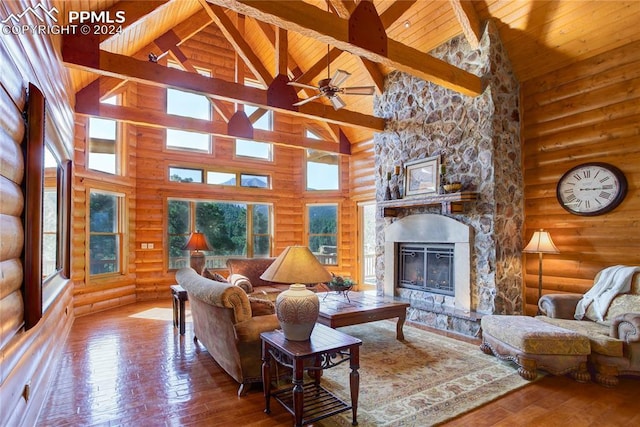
{"x":533,"y":344}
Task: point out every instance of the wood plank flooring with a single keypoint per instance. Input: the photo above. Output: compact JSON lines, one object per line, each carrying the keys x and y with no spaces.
{"x":129,"y":366}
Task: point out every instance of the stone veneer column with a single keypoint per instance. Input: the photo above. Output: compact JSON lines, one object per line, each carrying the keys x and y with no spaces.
{"x":478,"y":139}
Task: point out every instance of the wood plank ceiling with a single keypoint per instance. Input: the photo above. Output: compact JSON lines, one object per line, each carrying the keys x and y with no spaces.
{"x":539,"y":36}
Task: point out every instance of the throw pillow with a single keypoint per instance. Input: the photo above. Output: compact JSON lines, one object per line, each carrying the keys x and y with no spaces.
{"x":261,"y":307}
{"x":241,"y":281}
{"x":214,"y":276}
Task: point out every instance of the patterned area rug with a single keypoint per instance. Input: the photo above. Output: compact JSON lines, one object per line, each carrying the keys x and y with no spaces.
{"x":423,"y":381}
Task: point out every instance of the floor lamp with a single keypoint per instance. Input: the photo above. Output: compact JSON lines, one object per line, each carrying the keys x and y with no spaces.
{"x":540,"y":243}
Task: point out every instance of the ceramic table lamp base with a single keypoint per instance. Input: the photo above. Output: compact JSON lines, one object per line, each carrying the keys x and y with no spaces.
{"x":297,"y":310}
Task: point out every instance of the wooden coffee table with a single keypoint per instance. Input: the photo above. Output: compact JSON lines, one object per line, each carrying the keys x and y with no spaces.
{"x":336,"y":310}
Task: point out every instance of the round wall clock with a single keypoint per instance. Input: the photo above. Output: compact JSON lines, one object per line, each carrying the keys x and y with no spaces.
{"x":591,"y":188}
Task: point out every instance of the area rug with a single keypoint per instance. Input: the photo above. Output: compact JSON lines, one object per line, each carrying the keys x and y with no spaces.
{"x":423,"y":381}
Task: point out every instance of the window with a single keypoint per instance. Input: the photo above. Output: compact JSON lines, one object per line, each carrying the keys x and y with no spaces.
{"x":105,"y":232}
{"x":323,"y":232}
{"x":185,"y":175}
{"x":51,"y":252}
{"x":323,"y":172}
{"x":103,"y":142}
{"x":254,"y":181}
{"x":188,"y":104}
{"x":221,"y":178}
{"x":185,"y":140}
{"x":233,"y":230}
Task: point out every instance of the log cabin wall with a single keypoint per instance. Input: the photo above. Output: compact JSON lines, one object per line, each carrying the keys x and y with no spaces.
{"x":588,"y":112}
{"x":147,"y":187}
{"x":27,"y":358}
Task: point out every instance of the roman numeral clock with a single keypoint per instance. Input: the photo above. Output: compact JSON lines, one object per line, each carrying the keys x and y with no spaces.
{"x":591,"y":189}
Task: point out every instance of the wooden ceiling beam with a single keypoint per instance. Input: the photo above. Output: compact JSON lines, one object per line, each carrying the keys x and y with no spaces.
{"x":282,"y":52}
{"x":236,"y":39}
{"x":77,"y":53}
{"x":313,"y":22}
{"x":469,"y":21}
{"x":395,"y":11}
{"x":161,"y":120}
{"x":184,"y":31}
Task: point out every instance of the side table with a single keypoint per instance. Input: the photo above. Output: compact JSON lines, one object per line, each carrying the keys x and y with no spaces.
{"x":179,"y":296}
{"x":325,"y":349}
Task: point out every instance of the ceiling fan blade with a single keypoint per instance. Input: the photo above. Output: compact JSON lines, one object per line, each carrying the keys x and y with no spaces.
{"x":359,"y":90}
{"x":337,"y":102}
{"x":339,"y":77}
{"x":304,"y":101}
{"x":302,"y":85}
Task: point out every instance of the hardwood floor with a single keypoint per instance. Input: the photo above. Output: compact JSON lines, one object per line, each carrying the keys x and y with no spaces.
{"x":129,"y":366}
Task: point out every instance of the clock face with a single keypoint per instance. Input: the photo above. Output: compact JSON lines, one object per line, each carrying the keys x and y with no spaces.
{"x":591,"y":189}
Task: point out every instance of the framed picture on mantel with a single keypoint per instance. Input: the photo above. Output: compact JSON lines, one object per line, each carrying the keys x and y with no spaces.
{"x":422,"y":176}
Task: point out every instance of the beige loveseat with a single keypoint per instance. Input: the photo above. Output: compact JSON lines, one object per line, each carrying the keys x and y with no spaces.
{"x":229,"y":323}
{"x":614,"y":341}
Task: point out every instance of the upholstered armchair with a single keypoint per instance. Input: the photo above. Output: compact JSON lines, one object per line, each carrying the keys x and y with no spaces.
{"x":228,"y":323}
{"x":614,"y":340}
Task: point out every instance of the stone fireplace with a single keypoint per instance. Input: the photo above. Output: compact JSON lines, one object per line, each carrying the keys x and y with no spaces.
{"x":428,"y":229}
{"x":478,"y":141}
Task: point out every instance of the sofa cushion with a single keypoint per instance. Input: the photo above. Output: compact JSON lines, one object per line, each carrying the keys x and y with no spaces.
{"x":622,"y":304}
{"x":251,"y":268}
{"x":261,"y":306}
{"x":533,"y":336}
{"x":598,"y":334}
{"x":242,"y":282}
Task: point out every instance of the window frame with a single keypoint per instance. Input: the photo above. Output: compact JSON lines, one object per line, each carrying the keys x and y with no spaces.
{"x":120,"y":233}
{"x":309,"y":235}
{"x":250,"y":233}
{"x":117,"y":142}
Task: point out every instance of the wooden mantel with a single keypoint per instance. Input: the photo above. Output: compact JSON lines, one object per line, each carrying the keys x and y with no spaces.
{"x":450,"y":203}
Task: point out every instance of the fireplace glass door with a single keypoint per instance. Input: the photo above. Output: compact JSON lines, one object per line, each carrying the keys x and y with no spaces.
{"x":426,"y":267}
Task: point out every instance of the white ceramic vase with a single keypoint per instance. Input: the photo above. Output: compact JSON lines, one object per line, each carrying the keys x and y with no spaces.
{"x":297,"y":310}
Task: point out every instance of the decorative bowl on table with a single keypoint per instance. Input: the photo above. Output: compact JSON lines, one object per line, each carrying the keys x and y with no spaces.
{"x":339,"y":284}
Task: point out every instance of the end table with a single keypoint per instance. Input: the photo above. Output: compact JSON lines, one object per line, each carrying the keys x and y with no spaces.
{"x":325,"y":349}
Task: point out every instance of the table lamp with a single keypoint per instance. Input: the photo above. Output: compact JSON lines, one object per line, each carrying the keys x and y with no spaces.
{"x":541,"y":243}
{"x":297,"y":308}
{"x":197,"y":242}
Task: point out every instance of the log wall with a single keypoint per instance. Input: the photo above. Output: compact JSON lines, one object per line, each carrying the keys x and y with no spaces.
{"x":584,"y":113}
{"x":27,"y":358}
{"x":148,"y":188}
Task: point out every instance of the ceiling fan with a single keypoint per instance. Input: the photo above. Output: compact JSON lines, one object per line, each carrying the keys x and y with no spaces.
{"x":330,"y":89}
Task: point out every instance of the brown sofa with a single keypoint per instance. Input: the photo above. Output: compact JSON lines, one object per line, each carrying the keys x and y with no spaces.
{"x":229,"y":323}
{"x":614,"y":341}
{"x":245,"y":273}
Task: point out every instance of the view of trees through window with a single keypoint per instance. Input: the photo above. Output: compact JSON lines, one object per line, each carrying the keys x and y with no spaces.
{"x":323,"y":232}
{"x":104,"y":232}
{"x":232,"y":229}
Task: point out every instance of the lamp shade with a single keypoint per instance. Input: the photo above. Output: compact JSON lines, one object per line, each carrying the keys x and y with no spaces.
{"x":296,"y":264}
{"x":197,"y":242}
{"x":541,"y":243}
{"x":297,"y":308}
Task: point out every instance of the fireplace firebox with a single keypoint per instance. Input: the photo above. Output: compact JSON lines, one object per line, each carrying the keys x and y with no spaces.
{"x":427,"y":267}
